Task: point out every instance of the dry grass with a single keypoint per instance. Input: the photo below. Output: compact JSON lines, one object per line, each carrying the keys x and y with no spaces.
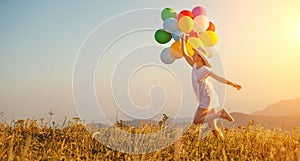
{"x":34,"y":140}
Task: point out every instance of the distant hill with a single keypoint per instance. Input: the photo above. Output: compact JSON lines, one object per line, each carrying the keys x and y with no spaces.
{"x":285,"y":122}
{"x":283,"y":108}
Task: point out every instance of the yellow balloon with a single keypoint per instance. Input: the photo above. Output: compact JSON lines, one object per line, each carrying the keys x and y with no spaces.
{"x":209,"y":38}
{"x":195,"y":42}
{"x":186,"y":24}
{"x":190,"y":49}
{"x":176,"y":50}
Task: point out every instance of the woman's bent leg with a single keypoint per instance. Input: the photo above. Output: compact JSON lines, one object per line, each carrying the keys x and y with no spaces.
{"x":213,"y":125}
{"x":202,"y":115}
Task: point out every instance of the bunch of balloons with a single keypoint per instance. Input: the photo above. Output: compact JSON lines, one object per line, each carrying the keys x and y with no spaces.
{"x":195,"y":24}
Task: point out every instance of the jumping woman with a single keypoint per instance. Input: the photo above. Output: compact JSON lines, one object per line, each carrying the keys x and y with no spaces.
{"x":207,"y":97}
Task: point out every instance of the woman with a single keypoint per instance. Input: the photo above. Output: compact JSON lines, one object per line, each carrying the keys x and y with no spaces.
{"x":207,"y":97}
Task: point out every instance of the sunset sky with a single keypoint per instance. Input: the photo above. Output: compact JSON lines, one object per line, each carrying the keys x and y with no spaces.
{"x":259,"y":47}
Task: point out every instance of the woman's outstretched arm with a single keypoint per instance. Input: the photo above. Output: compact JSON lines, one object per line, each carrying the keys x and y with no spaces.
{"x":185,"y":55}
{"x":223,"y":80}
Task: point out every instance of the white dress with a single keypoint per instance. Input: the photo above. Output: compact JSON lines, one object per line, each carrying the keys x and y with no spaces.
{"x":204,"y":90}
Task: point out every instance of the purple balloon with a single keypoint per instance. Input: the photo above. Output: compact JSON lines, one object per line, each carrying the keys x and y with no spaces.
{"x":199,"y":11}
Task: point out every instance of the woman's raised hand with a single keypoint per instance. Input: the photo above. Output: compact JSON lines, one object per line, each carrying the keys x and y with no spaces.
{"x":237,"y":86}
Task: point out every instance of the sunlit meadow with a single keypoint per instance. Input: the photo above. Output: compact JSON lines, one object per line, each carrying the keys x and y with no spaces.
{"x":45,"y":140}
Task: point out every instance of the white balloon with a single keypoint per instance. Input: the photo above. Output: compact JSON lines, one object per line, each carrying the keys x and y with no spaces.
{"x":165,"y":56}
{"x":170,"y":25}
{"x":212,"y":51}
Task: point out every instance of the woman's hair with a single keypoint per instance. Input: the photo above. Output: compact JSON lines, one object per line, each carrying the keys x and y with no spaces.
{"x":204,"y":60}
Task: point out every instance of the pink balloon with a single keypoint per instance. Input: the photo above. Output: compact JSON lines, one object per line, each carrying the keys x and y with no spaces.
{"x":199,"y":11}
{"x":201,"y":23}
{"x":194,"y":34}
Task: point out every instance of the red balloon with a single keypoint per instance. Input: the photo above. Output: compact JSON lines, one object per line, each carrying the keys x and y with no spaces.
{"x":185,"y":13}
{"x":211,"y":27}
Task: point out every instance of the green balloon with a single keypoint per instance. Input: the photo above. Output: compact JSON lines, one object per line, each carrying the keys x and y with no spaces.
{"x":168,"y":13}
{"x":162,"y":36}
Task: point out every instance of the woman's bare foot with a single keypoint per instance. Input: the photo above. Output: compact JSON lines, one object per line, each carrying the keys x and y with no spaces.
{"x":225,"y":115}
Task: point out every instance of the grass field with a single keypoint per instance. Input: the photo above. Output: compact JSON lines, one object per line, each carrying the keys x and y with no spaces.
{"x":35,"y":140}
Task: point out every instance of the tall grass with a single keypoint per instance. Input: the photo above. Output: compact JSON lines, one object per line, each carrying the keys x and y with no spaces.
{"x":36,"y":140}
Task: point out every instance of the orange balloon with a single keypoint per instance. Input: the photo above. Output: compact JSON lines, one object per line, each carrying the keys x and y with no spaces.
{"x":176,"y":50}
{"x":211,"y":27}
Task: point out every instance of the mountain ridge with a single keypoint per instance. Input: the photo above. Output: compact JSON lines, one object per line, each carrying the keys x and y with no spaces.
{"x":285,"y":122}
{"x":281,"y":108}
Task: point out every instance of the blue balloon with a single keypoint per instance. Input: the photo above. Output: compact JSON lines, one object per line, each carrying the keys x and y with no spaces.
{"x":170,"y":25}
{"x":176,"y":35}
{"x":165,"y":56}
